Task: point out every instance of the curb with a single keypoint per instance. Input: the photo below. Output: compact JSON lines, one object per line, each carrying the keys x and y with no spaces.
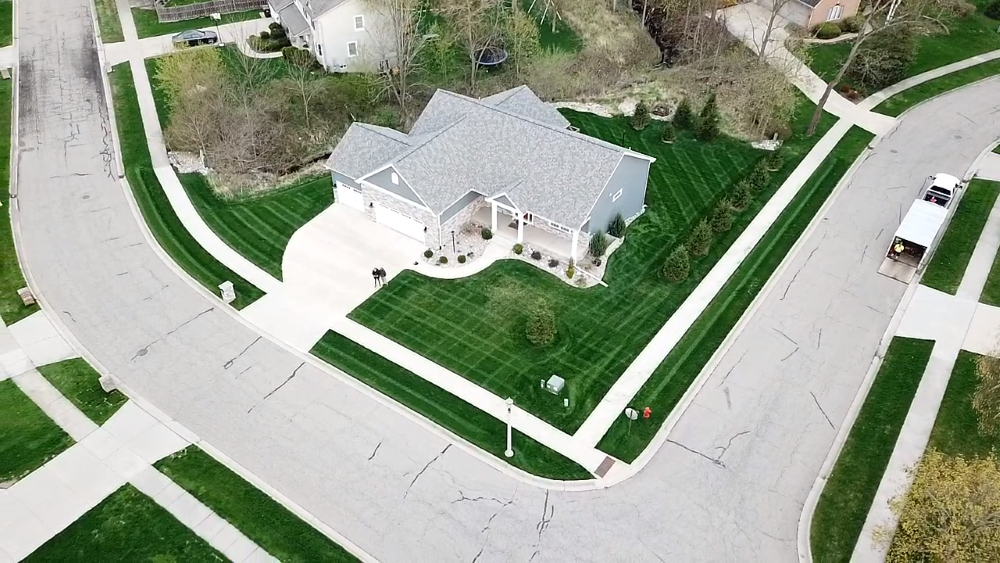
{"x":888,"y":92}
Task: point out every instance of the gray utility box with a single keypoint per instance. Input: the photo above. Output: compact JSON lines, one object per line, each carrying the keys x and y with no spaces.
{"x":555,"y":384}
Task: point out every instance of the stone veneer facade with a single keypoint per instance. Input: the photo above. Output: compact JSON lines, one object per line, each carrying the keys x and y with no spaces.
{"x":370,"y":194}
{"x":462,"y":217}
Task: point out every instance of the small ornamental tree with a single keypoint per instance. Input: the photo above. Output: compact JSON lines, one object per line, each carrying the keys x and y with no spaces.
{"x":758,"y":177}
{"x":708,"y":120}
{"x":598,"y":244}
{"x":667,"y":134}
{"x":617,"y":226}
{"x":722,"y":217}
{"x":541,"y":326}
{"x":640,"y":118}
{"x":741,"y":196}
{"x":678,"y":265}
{"x":701,"y":239}
{"x":684,"y":115}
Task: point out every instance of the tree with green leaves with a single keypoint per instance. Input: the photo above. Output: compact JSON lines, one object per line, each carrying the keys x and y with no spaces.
{"x":640,"y":117}
{"x":617,"y":226}
{"x":598,"y":244}
{"x":684,"y":117}
{"x":701,"y":239}
{"x":678,"y":265}
{"x":667,"y":133}
{"x":722,"y":217}
{"x":708,"y":120}
{"x":742,"y":196}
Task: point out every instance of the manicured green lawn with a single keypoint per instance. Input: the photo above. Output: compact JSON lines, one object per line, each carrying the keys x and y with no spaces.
{"x":910,"y":97}
{"x":968,"y":37}
{"x":153,"y":203}
{"x":997,"y":149}
{"x":948,"y":264}
{"x":468,"y":326}
{"x":562,"y":38}
{"x":108,"y":21}
{"x":79,"y":383}
{"x":682,"y":365}
{"x":847,"y":496}
{"x":956,"y":429}
{"x":443,"y":408}
{"x":6,"y":23}
{"x":127,"y":527}
{"x":148,"y":25}
{"x":12,"y":309}
{"x":28,"y":437}
{"x":262,"y":519}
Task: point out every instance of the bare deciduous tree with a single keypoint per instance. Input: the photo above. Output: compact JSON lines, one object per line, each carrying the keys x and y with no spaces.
{"x":396,"y":31}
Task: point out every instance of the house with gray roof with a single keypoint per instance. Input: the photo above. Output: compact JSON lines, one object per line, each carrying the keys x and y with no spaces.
{"x":810,"y":13}
{"x":510,"y":161}
{"x":344,"y":35}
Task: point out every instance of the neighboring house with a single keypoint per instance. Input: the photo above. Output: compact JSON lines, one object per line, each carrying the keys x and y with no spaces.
{"x":511,"y":157}
{"x":342,"y":34}
{"x":810,"y":13}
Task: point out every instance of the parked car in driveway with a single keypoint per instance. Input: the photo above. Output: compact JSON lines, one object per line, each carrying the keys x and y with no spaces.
{"x":195,"y":37}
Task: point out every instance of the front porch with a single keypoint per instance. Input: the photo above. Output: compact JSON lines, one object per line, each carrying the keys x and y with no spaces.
{"x":518,"y":230}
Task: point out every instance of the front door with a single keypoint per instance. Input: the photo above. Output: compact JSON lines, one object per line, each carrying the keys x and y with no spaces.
{"x":528,"y":218}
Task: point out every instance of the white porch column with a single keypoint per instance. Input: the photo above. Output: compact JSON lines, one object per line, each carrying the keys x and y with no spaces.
{"x":493,"y":216}
{"x":572,"y":252}
{"x":520,"y":228}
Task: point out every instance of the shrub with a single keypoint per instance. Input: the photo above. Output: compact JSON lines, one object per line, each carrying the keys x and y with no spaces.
{"x":569,"y":272}
{"x":667,"y":134}
{"x":264,"y":36}
{"x":708,"y":120}
{"x":276,"y":28}
{"x":742,"y":196}
{"x":963,"y":9}
{"x":487,"y":234}
{"x":299,"y":57}
{"x":536,"y":255}
{"x":722,"y":217}
{"x":553,"y":262}
{"x":827,"y":30}
{"x":678,"y":265}
{"x":443,"y":260}
{"x":428,"y":253}
{"x":701,"y":239}
{"x":758,"y":177}
{"x":461,"y":259}
{"x":684,"y":115}
{"x":541,"y":326}
{"x":992,"y":10}
{"x":640,"y":118}
{"x":882,"y":60}
{"x":852,"y":24}
{"x":774,"y":161}
{"x":616,"y":227}
{"x":518,"y":248}
{"x":386,"y":116}
{"x":598,"y":244}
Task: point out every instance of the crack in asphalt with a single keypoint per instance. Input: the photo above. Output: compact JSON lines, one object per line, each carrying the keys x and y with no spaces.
{"x":145,"y":349}
{"x":417,"y":476}
{"x":229,"y":364}
{"x":375,"y":451}
{"x":820,"y":407}
{"x":716,"y":462}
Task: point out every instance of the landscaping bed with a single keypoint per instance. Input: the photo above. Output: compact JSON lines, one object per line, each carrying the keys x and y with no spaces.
{"x":80,"y":383}
{"x":126,"y":527}
{"x":147,"y":24}
{"x":464,"y":325}
{"x":898,"y":103}
{"x":947,"y":266}
{"x":28,"y":437}
{"x":156,"y":210}
{"x":444,"y":409}
{"x":262,"y":519}
{"x":674,"y":375}
{"x":847,"y":496}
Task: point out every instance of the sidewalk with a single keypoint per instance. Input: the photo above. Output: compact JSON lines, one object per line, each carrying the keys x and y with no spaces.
{"x":880,"y":96}
{"x":230,"y":34}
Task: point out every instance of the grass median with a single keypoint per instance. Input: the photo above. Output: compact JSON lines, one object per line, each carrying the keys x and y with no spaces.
{"x":671,"y":379}
{"x":156,"y":210}
{"x":126,"y":527}
{"x":28,"y":437}
{"x":80,"y":383}
{"x":445,"y":409}
{"x":948,"y":264}
{"x":847,"y":497}
{"x":108,"y":21}
{"x":956,"y":430}
{"x":262,"y":519}
{"x":898,"y":103}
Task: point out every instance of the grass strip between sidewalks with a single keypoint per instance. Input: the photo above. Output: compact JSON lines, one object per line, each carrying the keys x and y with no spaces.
{"x":847,"y":497}
{"x":898,"y":103}
{"x":80,"y":383}
{"x":444,"y":409}
{"x":153,"y":203}
{"x":672,"y":378}
{"x":6,"y":23}
{"x":262,"y":519}
{"x":28,"y":437}
{"x":12,"y":309}
{"x":126,"y":527}
{"x":956,"y":430}
{"x":952,"y":256}
{"x":108,"y":21}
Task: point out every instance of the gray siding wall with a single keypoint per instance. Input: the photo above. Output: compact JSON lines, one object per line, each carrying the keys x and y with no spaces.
{"x":630,"y":177}
{"x":384,"y":180}
{"x":338,"y":177}
{"x":458,"y":206}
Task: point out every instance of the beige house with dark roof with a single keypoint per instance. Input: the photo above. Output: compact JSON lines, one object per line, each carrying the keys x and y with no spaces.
{"x":810,"y":13}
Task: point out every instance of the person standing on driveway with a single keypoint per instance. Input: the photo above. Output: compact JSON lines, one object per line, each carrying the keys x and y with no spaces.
{"x":382,"y":275}
{"x":377,"y":276}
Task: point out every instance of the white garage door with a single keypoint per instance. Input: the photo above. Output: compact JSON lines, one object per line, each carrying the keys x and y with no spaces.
{"x":399,"y":222}
{"x":350,"y":197}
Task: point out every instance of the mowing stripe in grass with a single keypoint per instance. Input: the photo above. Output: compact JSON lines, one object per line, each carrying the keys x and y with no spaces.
{"x":898,"y":103}
{"x":156,"y":210}
{"x":956,"y":430}
{"x":847,"y":497}
{"x":444,"y":409}
{"x":147,"y":24}
{"x":80,"y":383}
{"x":952,"y":256}
{"x":264,"y":520}
{"x":108,"y":21}
{"x":671,"y":379}
{"x":6,"y":23}
{"x":28,"y":437}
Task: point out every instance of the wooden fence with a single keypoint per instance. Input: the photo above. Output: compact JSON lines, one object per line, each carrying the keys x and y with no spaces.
{"x":203,"y":9}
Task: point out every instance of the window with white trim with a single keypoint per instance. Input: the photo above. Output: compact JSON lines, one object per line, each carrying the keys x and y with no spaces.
{"x":359,"y":23}
{"x":395,"y":178}
{"x":559,"y":227}
{"x":352,"y":49}
{"x":617,"y":195}
{"x":835,"y":13}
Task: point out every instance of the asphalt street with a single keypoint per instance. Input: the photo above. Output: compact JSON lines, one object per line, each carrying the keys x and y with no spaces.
{"x":729,"y":486}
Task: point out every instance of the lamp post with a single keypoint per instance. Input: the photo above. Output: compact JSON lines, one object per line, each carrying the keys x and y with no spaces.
{"x":510,"y":450}
{"x":453,"y":242}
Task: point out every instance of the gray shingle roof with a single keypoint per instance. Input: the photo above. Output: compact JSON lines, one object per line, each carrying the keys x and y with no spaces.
{"x":293,"y":20}
{"x":317,"y":8}
{"x":365,"y":148}
{"x":523,"y":101}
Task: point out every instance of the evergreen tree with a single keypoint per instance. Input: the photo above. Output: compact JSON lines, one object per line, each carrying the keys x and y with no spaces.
{"x":678,"y":265}
{"x":667,"y":134}
{"x":684,"y":115}
{"x":708,"y":120}
{"x":617,"y":226}
{"x":701,"y":239}
{"x":742,"y":196}
{"x":640,"y":119}
{"x":722,"y":217}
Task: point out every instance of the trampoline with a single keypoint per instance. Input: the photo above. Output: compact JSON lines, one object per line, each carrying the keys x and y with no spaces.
{"x":490,"y":57}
